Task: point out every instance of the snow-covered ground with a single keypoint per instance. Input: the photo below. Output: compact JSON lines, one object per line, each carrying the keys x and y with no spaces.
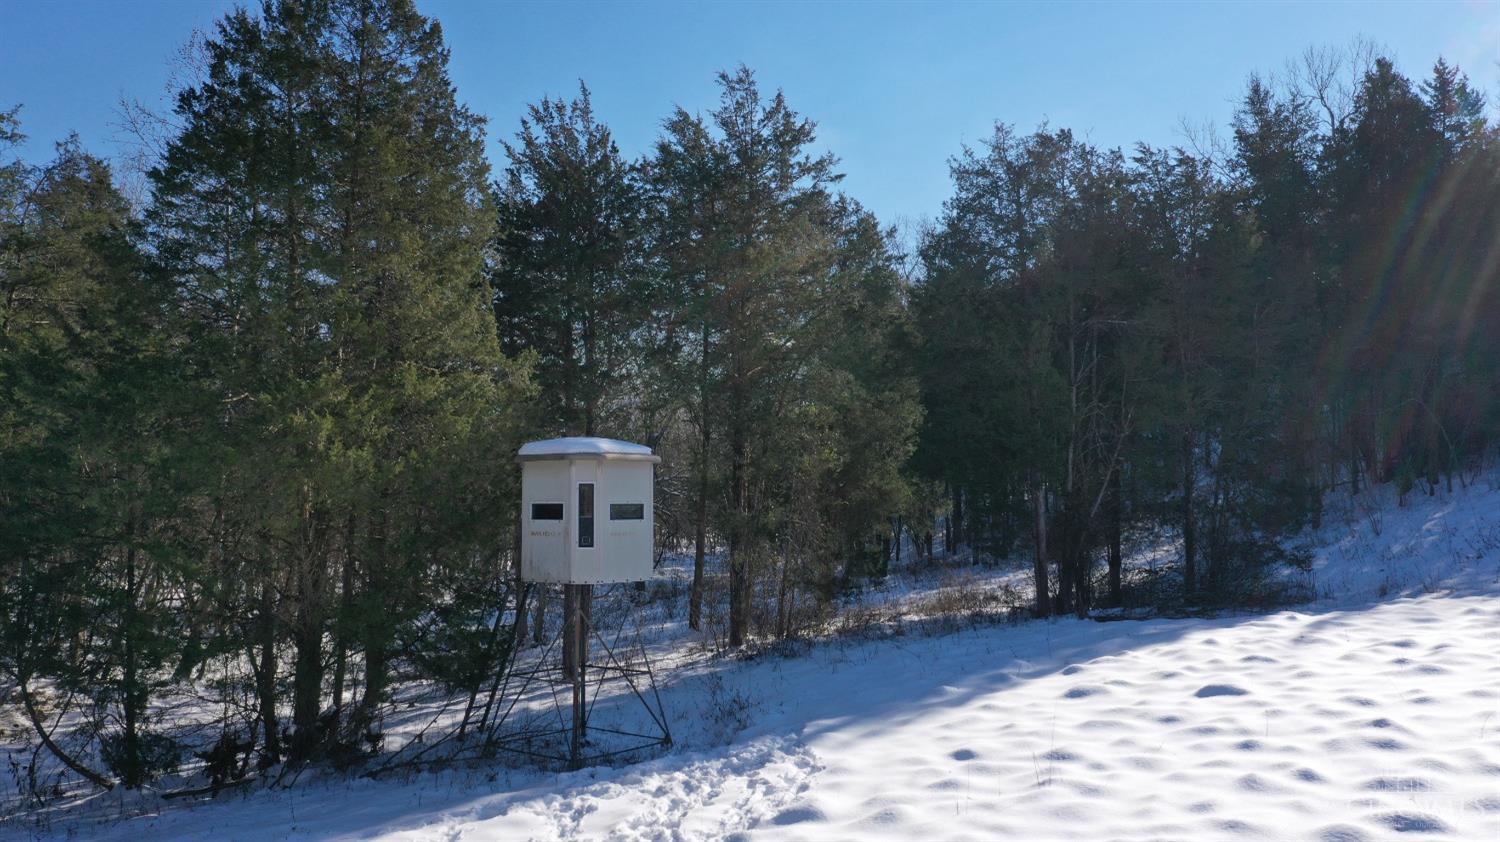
{"x":1372,"y":712}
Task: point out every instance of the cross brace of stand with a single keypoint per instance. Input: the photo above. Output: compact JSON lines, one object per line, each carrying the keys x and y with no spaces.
{"x":576,"y":673}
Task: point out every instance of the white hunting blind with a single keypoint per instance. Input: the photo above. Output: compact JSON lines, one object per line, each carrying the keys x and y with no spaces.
{"x":586,"y":513}
{"x":586,"y":519}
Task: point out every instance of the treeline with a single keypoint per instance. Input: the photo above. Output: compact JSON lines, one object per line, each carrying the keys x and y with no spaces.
{"x":1203,"y":342}
{"x":257,"y":434}
{"x":257,"y":464}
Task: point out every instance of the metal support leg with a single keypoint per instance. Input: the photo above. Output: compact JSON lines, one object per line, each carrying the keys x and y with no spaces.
{"x":578,"y":625}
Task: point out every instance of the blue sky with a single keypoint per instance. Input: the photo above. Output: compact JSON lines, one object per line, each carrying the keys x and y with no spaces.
{"x":896,"y":88}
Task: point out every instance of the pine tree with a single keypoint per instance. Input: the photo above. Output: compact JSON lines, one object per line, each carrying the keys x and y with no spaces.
{"x":760,"y":259}
{"x":236,"y":225}
{"x":323,"y":217}
{"x":91,"y":485}
{"x":1275,"y":168}
{"x":1176,"y":197}
{"x":568,"y":279}
{"x":1378,"y":175}
{"x":992,"y":426}
{"x":1456,"y":109}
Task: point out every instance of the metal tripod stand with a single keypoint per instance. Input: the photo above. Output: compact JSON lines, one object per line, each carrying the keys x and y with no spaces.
{"x":576,"y":674}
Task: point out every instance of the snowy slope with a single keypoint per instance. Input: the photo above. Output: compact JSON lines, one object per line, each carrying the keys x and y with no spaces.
{"x":1341,"y":725}
{"x":1372,"y":713}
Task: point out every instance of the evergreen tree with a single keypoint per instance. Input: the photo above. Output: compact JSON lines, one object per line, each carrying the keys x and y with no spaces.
{"x":1176,"y":195}
{"x":90,"y":485}
{"x":323,"y":217}
{"x":568,"y":278}
{"x":759,"y":258}
{"x":1456,"y":109}
{"x":994,"y":426}
{"x":760,"y":219}
{"x":1379,"y":173}
{"x":1275,"y":170}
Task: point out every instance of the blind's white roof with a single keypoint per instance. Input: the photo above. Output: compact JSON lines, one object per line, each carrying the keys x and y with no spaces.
{"x":585,"y":447}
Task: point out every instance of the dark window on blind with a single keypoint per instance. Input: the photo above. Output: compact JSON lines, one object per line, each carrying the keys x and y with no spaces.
{"x":627,"y":511}
{"x":585,"y":514}
{"x":546,"y":511}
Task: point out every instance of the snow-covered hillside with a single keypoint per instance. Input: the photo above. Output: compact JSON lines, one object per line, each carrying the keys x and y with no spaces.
{"x":1372,"y":712}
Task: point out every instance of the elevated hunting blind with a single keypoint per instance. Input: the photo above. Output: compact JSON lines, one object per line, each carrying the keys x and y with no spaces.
{"x":586,"y":519}
{"x":586,"y":514}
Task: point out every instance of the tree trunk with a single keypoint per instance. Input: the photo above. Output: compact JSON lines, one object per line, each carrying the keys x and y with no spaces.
{"x":958,"y":520}
{"x":739,"y":485}
{"x":133,"y":699}
{"x":1074,"y":541}
{"x":700,"y":525}
{"x":340,"y":638}
{"x":1215,"y":548}
{"x":948,"y":534}
{"x":539,"y":619}
{"x":57,"y":751}
{"x":1189,"y":566}
{"x":782,"y":591}
{"x":700,"y":538}
{"x":377,"y":675}
{"x":519,"y":633}
{"x":307,"y":688}
{"x":1115,"y":557}
{"x":1353,"y":455}
{"x":265,"y":678}
{"x":739,"y":561}
{"x":1039,"y":503}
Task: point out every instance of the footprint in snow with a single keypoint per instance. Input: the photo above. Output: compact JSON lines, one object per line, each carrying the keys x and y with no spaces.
{"x":1412,"y":823}
{"x":1397,"y":785}
{"x":1342,"y":833}
{"x":887,"y":817}
{"x":1255,"y":783}
{"x":798,"y":815}
{"x":1211,"y":690}
{"x":1101,"y":725}
{"x":963,"y":754}
{"x":1084,"y":691}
